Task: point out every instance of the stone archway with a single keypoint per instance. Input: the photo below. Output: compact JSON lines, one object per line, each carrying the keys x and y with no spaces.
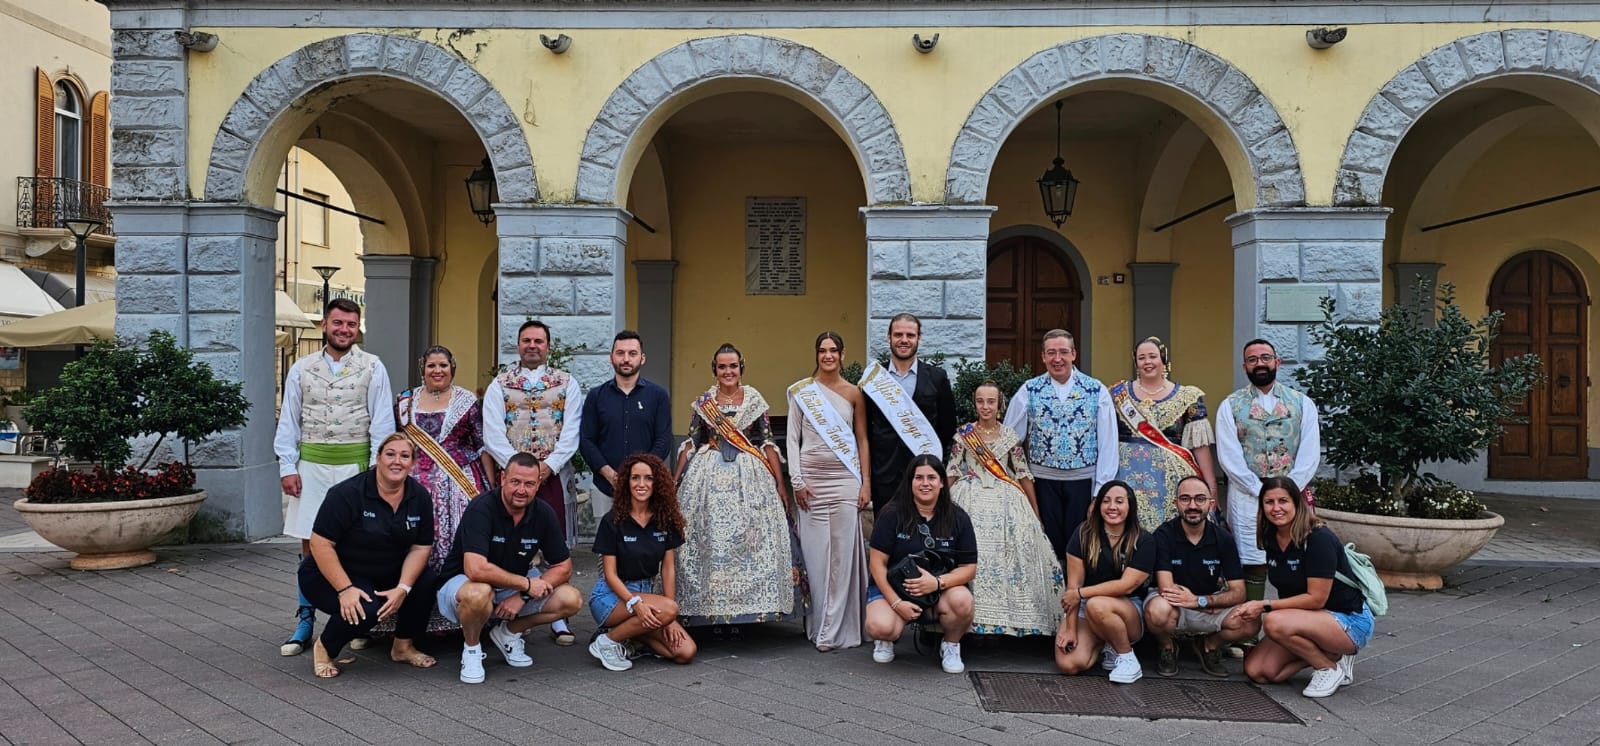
{"x":832,"y":92}
{"x":259,"y":117}
{"x":1221,"y":100}
{"x":1538,"y":53}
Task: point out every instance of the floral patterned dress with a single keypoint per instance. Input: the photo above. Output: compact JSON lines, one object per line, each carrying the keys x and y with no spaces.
{"x":1152,"y":471}
{"x":1017,"y":590}
{"x":740,"y":561}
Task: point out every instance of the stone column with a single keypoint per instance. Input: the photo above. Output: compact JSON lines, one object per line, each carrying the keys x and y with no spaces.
{"x":1336,"y":250}
{"x":656,"y":278}
{"x":1152,"y":300}
{"x":1405,"y":286}
{"x":422,"y":274}
{"x":562,"y":264}
{"x":389,"y":335}
{"x":231,"y":319}
{"x":930,"y":261}
{"x":149,"y":107}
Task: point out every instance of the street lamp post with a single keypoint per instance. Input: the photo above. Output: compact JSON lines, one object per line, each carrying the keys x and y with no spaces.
{"x":327,"y":273}
{"x":81,"y":228}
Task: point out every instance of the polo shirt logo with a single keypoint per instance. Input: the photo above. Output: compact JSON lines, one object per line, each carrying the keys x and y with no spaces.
{"x":498,"y":539}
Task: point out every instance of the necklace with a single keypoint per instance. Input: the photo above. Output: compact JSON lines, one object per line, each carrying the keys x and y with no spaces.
{"x":990,"y":431}
{"x":726,"y":398}
{"x":437,"y":395}
{"x":1113,"y":537}
{"x":1152,"y":394}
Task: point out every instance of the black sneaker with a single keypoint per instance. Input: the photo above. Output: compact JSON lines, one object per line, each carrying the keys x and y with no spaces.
{"x":1210,"y":660}
{"x":1167,"y":664}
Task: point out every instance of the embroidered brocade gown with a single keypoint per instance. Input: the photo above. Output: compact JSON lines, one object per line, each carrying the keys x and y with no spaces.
{"x":1017,"y":590}
{"x":1152,"y":471}
{"x":740,"y":560}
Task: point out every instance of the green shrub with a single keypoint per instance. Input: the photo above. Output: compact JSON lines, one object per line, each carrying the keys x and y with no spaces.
{"x":1428,"y":497}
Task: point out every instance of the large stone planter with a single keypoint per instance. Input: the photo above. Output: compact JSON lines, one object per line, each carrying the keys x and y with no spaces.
{"x":110,"y":535}
{"x":1409,"y":553}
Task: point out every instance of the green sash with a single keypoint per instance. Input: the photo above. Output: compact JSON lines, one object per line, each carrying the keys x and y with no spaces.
{"x":337,"y":454}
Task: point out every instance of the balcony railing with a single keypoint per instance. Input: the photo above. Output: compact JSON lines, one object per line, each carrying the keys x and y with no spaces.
{"x":46,"y":202}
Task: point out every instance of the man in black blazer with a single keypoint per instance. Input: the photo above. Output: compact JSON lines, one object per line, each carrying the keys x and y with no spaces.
{"x":930,"y":390}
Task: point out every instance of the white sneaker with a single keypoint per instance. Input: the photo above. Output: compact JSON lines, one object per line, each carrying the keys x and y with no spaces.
{"x":472,"y":665}
{"x":1126,"y":669}
{"x":1324,"y":681}
{"x":610,"y":653}
{"x":1347,"y":670}
{"x":950,"y":657}
{"x":1108,"y":657}
{"x":883,"y":651}
{"x":511,"y":645}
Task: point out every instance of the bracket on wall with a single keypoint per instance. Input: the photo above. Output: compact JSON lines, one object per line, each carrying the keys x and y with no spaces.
{"x":924,"y":46}
{"x":196,"y":41}
{"x":558,"y":45}
{"x":1322,"y":38}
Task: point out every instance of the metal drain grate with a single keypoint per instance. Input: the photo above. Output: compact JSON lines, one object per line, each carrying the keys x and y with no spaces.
{"x":1148,"y":699}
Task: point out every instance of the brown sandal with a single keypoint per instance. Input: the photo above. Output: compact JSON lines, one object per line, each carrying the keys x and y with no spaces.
{"x":321,"y":662}
{"x":415,"y":658}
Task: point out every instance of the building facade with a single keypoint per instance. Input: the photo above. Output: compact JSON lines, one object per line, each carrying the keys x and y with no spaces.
{"x":761,"y":172}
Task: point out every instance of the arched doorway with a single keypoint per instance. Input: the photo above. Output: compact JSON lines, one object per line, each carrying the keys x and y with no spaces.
{"x":1545,"y":303}
{"x":1032,"y":288}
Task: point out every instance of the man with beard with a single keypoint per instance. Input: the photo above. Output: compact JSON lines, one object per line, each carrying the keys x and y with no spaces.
{"x":337,"y":409}
{"x":1070,"y":426}
{"x":911,"y":410}
{"x":1264,"y":430}
{"x":624,"y":416}
{"x":1198,"y":579}
{"x":537,"y":409}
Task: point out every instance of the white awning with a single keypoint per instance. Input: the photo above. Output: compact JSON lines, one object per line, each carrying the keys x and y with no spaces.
{"x":20,"y":296}
{"x":63,"y":287}
{"x":289,"y":314}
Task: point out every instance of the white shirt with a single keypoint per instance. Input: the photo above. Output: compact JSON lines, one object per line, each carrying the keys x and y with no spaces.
{"x":1105,"y":463}
{"x":494,"y":423}
{"x":380,"y":404}
{"x":1244,"y":482}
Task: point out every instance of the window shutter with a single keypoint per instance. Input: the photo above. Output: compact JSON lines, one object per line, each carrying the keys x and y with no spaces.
{"x":99,"y":134}
{"x":45,"y":116}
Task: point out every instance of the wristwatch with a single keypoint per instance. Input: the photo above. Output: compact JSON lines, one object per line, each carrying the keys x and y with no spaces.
{"x":1265,"y":607}
{"x":632,"y":602}
{"x":1203,"y":601}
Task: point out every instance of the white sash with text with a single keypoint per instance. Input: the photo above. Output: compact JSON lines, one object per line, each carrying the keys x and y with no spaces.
{"x":896,"y":404}
{"x":836,"y":431}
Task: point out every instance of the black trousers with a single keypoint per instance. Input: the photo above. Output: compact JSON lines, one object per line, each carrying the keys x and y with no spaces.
{"x":1063,"y":506}
{"x":410,"y":623}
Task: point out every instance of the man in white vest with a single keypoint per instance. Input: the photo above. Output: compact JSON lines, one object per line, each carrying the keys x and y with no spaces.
{"x":1068,"y":422}
{"x":337,"y":408}
{"x":534,"y":408}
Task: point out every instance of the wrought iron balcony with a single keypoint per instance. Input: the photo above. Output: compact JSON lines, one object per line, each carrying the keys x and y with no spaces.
{"x":46,"y":202}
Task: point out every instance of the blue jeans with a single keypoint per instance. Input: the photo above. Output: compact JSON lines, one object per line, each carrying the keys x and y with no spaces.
{"x":602,"y":600}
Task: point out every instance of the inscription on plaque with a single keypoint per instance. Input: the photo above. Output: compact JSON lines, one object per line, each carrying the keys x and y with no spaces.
{"x":775,"y":246}
{"x":1296,"y":303}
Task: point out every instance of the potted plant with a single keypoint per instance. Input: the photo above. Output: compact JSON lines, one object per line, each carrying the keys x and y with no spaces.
{"x":13,"y":401}
{"x":1398,"y":396}
{"x":120,"y":391}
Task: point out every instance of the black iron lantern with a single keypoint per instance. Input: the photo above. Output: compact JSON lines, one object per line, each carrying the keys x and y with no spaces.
{"x":482,"y":192}
{"x":1057,"y":187}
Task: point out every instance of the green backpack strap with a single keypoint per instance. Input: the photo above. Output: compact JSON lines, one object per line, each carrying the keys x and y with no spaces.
{"x":1366,"y":580}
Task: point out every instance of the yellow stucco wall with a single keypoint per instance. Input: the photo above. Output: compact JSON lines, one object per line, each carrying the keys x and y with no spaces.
{"x":1320,"y":95}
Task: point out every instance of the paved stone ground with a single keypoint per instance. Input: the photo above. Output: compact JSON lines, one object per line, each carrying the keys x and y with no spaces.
{"x":1540,"y":530}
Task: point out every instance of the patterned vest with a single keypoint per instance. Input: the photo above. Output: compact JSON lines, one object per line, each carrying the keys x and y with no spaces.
{"x":1269,"y":440}
{"x":535,"y":408}
{"x":1063,"y":434}
{"x":333,"y":408}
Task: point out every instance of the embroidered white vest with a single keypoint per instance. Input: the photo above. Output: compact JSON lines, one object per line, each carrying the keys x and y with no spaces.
{"x":333,"y":408}
{"x":535,"y":409}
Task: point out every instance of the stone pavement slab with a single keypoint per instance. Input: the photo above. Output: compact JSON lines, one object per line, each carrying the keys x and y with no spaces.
{"x":185,"y":651}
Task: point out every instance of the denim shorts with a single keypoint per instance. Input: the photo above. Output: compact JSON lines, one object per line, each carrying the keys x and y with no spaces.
{"x":1137,"y":601}
{"x":1357,"y":625}
{"x":602,"y":600}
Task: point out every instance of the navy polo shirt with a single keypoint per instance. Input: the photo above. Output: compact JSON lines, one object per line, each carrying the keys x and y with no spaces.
{"x":370,"y":538}
{"x":615,"y":425}
{"x":1204,"y":568}
{"x":1320,"y":557}
{"x":487,"y":529}
{"x":1106,"y":568}
{"x":961,"y":544}
{"x":638,"y":549}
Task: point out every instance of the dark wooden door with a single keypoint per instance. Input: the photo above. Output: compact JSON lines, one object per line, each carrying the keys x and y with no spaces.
{"x":1546,"y":308}
{"x":1033,"y":288}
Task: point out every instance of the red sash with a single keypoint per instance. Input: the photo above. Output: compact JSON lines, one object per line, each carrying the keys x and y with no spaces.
{"x":969,"y":436}
{"x":1135,"y":420}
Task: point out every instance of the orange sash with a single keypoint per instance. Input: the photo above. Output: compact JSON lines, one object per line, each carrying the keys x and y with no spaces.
{"x":1135,"y":420}
{"x":969,"y":436}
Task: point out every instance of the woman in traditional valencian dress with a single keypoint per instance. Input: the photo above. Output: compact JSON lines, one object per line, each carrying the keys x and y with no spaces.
{"x":1162,"y":433}
{"x":446,"y":423}
{"x":740,"y":559}
{"x":828,"y":470}
{"x":1017,"y":590}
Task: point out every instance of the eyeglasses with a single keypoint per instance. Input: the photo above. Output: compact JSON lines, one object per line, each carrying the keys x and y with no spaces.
{"x":1253,"y":359}
{"x":1192,"y":499}
{"x":927,"y":537}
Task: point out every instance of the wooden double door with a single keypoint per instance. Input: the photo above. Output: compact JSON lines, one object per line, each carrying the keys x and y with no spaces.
{"x":1546,"y":309}
{"x":1032,"y":288}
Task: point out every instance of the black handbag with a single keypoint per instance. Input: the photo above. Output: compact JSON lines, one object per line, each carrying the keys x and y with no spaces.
{"x":911,"y":566}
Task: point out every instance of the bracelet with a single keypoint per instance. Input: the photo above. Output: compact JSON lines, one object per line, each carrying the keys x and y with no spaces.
{"x":341,"y":591}
{"x":530,"y":586}
{"x":404,"y":587}
{"x":940,"y":580}
{"x":632,"y":602}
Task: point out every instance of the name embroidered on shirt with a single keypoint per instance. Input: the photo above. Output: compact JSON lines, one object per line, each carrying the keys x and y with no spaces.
{"x":498,"y":539}
{"x":627,"y":539}
{"x":368,"y":514}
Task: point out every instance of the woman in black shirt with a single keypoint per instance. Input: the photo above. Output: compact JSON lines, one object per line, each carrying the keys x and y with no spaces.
{"x":921,"y":517}
{"x":1316,"y":621}
{"x":374,"y":531}
{"x":1109,"y":560}
{"x":636,"y":541}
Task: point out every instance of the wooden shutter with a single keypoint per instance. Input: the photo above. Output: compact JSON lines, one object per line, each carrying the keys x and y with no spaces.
{"x":99,"y":134}
{"x":45,"y":117}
